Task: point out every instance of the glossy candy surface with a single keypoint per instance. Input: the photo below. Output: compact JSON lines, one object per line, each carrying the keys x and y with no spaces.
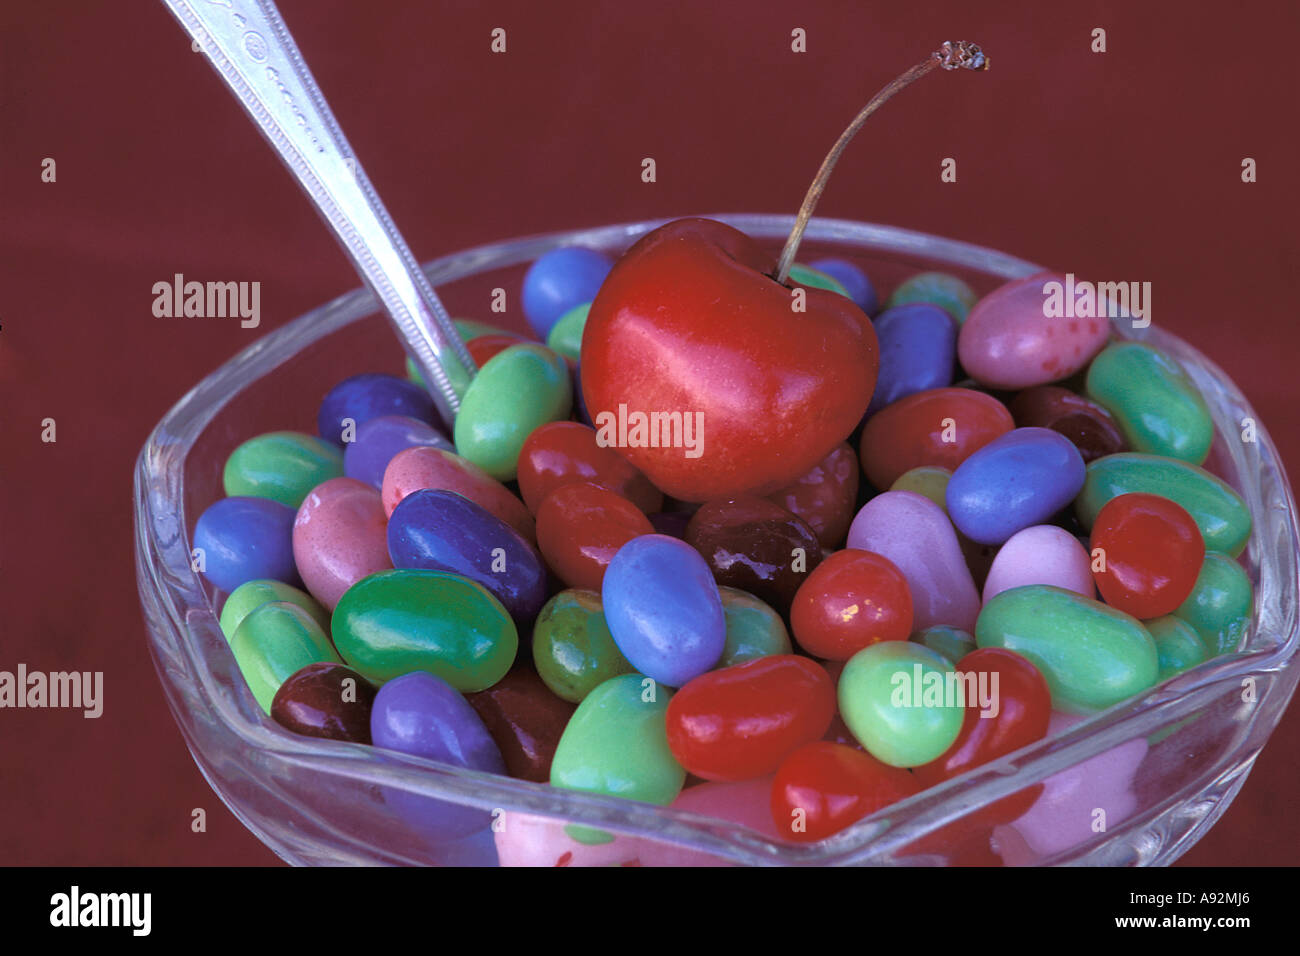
{"x":525,"y":720}
{"x":946,"y":291}
{"x":825,"y":497}
{"x":339,"y":537}
{"x":561,"y":453}
{"x":918,"y":347}
{"x":245,"y":539}
{"x":1221,"y":604}
{"x":435,"y":468}
{"x":253,"y":594}
{"x":1178,"y":646}
{"x":325,"y":700}
{"x":379,"y":439}
{"x":370,"y":395}
{"x":814,"y":278}
{"x":1153,"y":553}
{"x":950,"y":642}
{"x":573,"y":650}
{"x":754,"y":630}
{"x":581,"y":526}
{"x":421,"y":714}
{"x":1089,"y":426}
{"x":928,"y":480}
{"x":1041,"y":554}
{"x":565,"y":337}
{"x":558,"y":281}
{"x":851,"y":600}
{"x":822,"y":788}
{"x":855,"y":282}
{"x":282,"y":466}
{"x":1157,"y":405}
{"x":273,"y":642}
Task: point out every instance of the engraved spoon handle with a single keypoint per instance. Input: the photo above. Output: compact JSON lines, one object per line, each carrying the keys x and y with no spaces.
{"x":251,"y":48}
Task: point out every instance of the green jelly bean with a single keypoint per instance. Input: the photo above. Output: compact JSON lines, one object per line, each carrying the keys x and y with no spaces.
{"x":469,"y":329}
{"x":816,"y":279}
{"x":944,"y":290}
{"x":1092,"y":655}
{"x":572,"y":648}
{"x":928,"y":480}
{"x":566,"y":335}
{"x":754,"y":629}
{"x":253,"y":594}
{"x":273,"y":642}
{"x":1218,"y":511}
{"x":282,"y":466}
{"x":395,"y":622}
{"x":898,"y":700}
{"x":1221,"y":604}
{"x":1155,"y":402}
{"x":1178,"y":647}
{"x":517,"y":390}
{"x":951,"y":642}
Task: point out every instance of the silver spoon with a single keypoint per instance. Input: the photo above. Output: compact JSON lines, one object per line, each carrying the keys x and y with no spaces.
{"x":251,"y":48}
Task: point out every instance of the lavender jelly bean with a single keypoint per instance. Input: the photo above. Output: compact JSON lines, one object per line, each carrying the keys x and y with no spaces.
{"x":370,"y":395}
{"x":379,"y":439}
{"x":245,"y":539}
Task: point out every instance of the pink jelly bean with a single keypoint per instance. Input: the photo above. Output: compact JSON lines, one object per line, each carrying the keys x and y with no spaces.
{"x":524,"y":839}
{"x":1009,"y":342}
{"x":1042,"y":554}
{"x":914,"y":533}
{"x":339,"y":537}
{"x":747,"y":802}
{"x":418,"y":468}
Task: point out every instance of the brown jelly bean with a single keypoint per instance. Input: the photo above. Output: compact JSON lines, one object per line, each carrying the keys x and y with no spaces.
{"x":1089,"y":427}
{"x":526,"y":719}
{"x":316,"y":702}
{"x":825,"y":497}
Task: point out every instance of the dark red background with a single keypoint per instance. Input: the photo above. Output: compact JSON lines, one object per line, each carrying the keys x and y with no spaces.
{"x":1121,"y":166}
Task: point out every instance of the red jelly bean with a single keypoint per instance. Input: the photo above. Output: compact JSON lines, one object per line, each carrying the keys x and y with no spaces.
{"x":825,"y":497}
{"x":526,"y":719}
{"x":562,"y":452}
{"x":824,"y":787}
{"x":1153,"y":553}
{"x":436,"y":468}
{"x":942,"y":426}
{"x":1089,"y":427}
{"x":580,"y":528}
{"x":742,"y":721}
{"x":852,"y":600}
{"x":488,"y":346}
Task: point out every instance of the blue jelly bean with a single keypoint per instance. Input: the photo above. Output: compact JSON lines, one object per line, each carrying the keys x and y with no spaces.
{"x":663,"y":609}
{"x":1020,"y":479}
{"x":246,"y":539}
{"x":443,"y":531}
{"x":854,"y":280}
{"x":367,"y":396}
{"x":558,"y":281}
{"x":918,"y":350}
{"x":379,"y":439}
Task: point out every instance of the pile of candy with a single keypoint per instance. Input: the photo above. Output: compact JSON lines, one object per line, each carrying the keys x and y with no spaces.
{"x":525,"y":601}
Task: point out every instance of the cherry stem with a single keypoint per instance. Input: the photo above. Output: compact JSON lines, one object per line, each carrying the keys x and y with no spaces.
{"x":951,"y":56}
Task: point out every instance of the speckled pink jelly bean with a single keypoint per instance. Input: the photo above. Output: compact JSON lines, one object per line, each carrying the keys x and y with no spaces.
{"x":524,"y":839}
{"x":435,"y":468}
{"x":1042,"y":554}
{"x":747,"y":802}
{"x":339,"y":537}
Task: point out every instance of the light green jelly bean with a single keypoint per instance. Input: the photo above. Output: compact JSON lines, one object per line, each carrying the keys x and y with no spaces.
{"x":816,"y":279}
{"x":754,"y":629}
{"x":516,"y":391}
{"x":1155,"y":402}
{"x":951,"y":642}
{"x":946,"y":291}
{"x":1092,"y":655}
{"x":1178,"y":648}
{"x":469,"y":329}
{"x":928,"y":480}
{"x":566,"y":335}
{"x":275,"y":641}
{"x":395,"y":622}
{"x":1221,"y":604}
{"x":897,"y":699}
{"x":282,"y":466}
{"x":1218,"y":511}
{"x":572,"y":648}
{"x":253,"y":594}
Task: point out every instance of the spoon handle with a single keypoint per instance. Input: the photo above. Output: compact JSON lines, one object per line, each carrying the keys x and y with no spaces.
{"x":251,"y":48}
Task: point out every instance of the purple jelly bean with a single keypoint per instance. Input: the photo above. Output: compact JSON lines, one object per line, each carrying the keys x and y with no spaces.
{"x":246,"y":539}
{"x":854,"y":280}
{"x":379,"y":439}
{"x":371,"y":395}
{"x":918,"y":351}
{"x":423,"y":715}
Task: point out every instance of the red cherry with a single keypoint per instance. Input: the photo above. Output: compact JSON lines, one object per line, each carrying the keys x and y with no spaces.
{"x":1153,"y":554}
{"x":580,"y":528}
{"x":824,"y":787}
{"x":825,"y":496}
{"x":562,"y":452}
{"x":740,"y":722}
{"x":853,"y":599}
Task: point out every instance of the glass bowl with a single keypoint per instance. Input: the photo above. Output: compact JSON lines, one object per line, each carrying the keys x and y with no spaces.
{"x":317,"y":801}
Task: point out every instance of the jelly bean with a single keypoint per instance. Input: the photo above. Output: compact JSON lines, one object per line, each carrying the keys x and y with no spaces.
{"x":1148,"y":552}
{"x":339,"y":537}
{"x":471,"y":329}
{"x":558,"y":281}
{"x":399,"y":621}
{"x":851,"y":600}
{"x":816,"y":279}
{"x":740,"y":722}
{"x":245,"y":539}
{"x":282,"y":466}
{"x":898,"y":699}
{"x":435,"y":468}
{"x":580,"y":527}
{"x":354,"y":401}
{"x":379,"y":439}
{"x":562,"y":452}
{"x":487,"y":347}
{"x":525,"y":839}
{"x":928,"y":480}
{"x":663,"y":609}
{"x":754,"y":545}
{"x":825,"y":497}
{"x":443,"y":531}
{"x":743,"y":802}
{"x":1157,"y":405}
{"x":1092,"y":655}
{"x":572,"y":648}
{"x":565,"y":337}
{"x":1009,"y":341}
{"x":854,"y":280}
{"x":1018,"y":480}
{"x":1178,"y":646}
{"x":918,"y":346}
{"x":946,"y":291}
{"x":1089,"y":427}
{"x":253,"y":594}
{"x":1219,"y":512}
{"x":470,"y":333}
{"x":754,"y":630}
{"x":325,"y":700}
{"x":1221,"y":604}
{"x":422,"y":715}
{"x":1041,"y":554}
{"x":824,"y":788}
{"x":526,"y":721}
{"x":272,"y":642}
{"x":522,"y":388}
{"x":951,"y":643}
{"x":915,"y":534}
{"x":941,"y":427}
